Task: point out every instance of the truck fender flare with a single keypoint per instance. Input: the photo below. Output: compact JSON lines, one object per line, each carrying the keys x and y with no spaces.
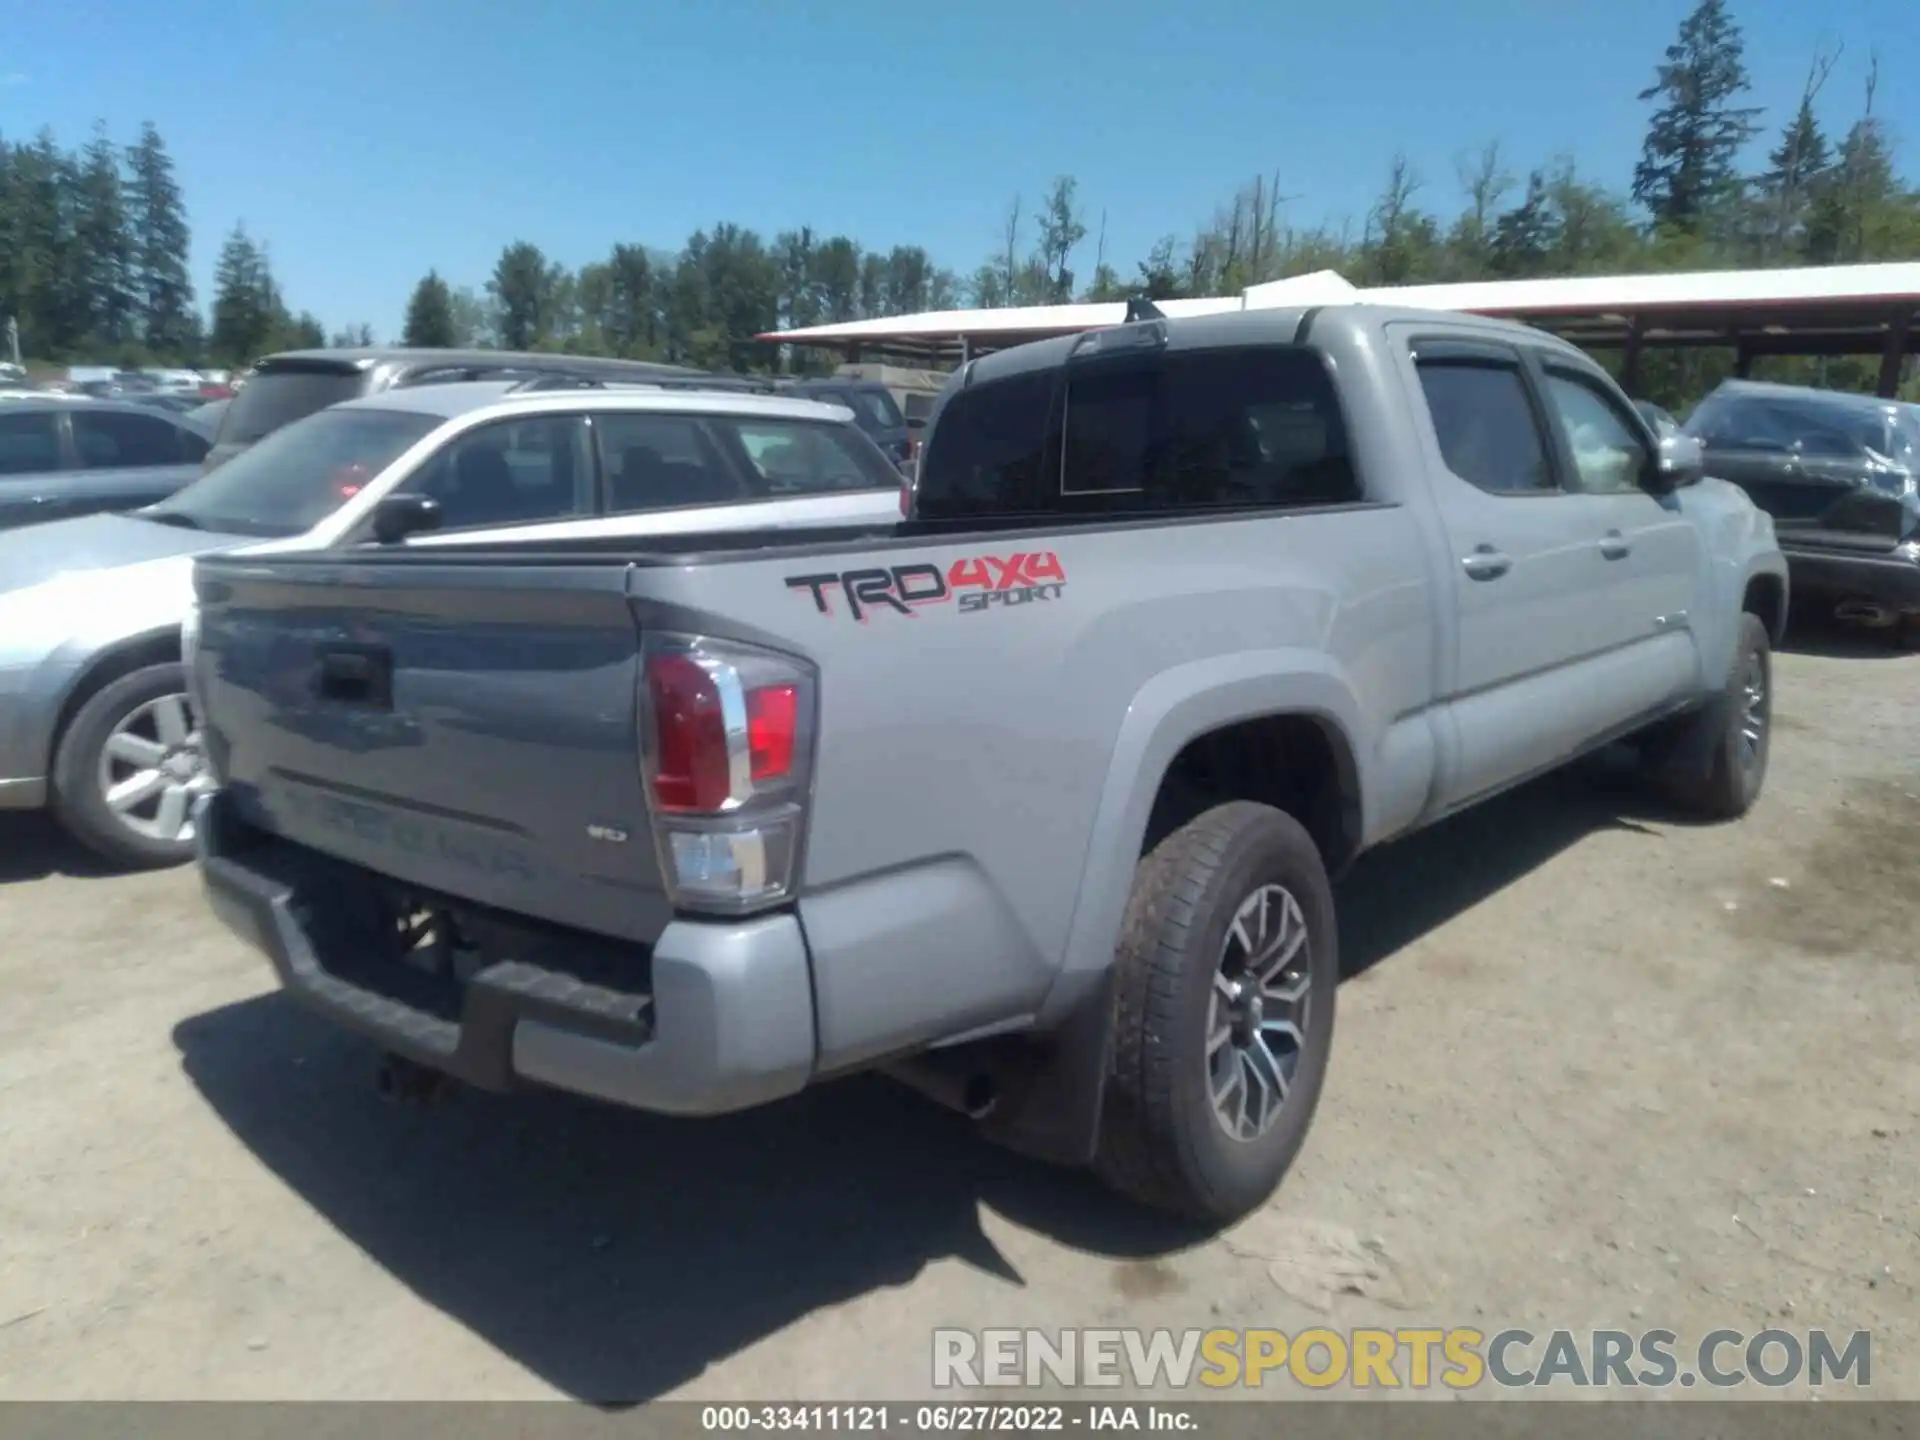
{"x":1170,"y":710}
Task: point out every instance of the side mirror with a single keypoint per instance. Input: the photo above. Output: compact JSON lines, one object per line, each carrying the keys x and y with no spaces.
{"x":398,"y":516}
{"x":1679,"y":461}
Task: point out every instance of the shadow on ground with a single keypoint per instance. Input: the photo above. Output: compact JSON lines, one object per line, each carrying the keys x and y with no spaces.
{"x":617,"y":1255}
{"x":32,"y":847}
{"x":1823,"y":636}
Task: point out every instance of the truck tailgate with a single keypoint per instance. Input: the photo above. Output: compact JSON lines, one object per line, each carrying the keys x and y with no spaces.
{"x":469,"y":730}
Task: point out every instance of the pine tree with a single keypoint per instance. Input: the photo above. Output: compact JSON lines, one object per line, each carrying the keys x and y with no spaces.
{"x":1687,"y":168}
{"x":248,"y":316}
{"x":430,"y":314}
{"x":103,"y":250}
{"x":522,"y":289}
{"x":157,"y":219}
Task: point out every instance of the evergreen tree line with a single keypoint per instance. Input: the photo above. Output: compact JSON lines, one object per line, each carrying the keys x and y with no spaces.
{"x":94,"y":263}
{"x":93,"y":243}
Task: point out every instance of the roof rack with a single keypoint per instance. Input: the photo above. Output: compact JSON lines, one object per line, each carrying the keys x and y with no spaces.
{"x":565,"y":380}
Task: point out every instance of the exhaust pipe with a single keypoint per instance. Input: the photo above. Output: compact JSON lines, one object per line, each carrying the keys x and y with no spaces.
{"x":408,"y":1082}
{"x":1864,"y":612}
{"x":953,"y":1081}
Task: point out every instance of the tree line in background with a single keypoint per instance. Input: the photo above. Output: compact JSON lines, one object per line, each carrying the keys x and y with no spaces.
{"x":1824,"y":195}
{"x":94,"y":243}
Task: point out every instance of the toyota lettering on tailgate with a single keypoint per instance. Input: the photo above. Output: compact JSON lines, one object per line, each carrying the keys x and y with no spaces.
{"x":977,"y":582}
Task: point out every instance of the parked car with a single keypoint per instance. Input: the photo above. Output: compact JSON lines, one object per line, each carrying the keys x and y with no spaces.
{"x":287,"y":387}
{"x":1032,"y":799}
{"x":1659,"y":419}
{"x":63,"y":457}
{"x":1840,"y":474}
{"x":94,"y":715}
{"x":874,"y":410}
{"x":176,"y":401}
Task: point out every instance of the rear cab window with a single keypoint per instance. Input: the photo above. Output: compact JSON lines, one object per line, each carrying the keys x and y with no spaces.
{"x":1182,"y":431}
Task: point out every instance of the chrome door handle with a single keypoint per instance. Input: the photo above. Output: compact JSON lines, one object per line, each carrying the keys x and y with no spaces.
{"x":1486,"y":563}
{"x":1614,"y":546}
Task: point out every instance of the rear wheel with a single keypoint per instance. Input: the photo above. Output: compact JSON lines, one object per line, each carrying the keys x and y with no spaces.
{"x":129,"y":768}
{"x":1225,"y":980}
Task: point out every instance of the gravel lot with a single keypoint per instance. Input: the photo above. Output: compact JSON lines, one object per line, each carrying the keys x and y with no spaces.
{"x":1596,"y":1067}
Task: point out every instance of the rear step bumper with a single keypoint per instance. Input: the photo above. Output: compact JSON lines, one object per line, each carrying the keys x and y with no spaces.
{"x":729,"y":1025}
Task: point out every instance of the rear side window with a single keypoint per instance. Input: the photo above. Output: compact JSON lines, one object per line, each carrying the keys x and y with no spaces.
{"x":1488,"y":432}
{"x":276,"y":397}
{"x":795,"y":457}
{"x":1257,"y":427}
{"x":109,"y":439}
{"x":29,"y":442}
{"x":874,"y":409}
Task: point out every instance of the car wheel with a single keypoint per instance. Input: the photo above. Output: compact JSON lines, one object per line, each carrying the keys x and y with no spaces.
{"x":1224,"y":1002}
{"x":1741,"y":719}
{"x":129,"y":768}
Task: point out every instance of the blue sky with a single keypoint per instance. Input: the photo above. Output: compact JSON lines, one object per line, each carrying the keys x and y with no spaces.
{"x":367,"y":140}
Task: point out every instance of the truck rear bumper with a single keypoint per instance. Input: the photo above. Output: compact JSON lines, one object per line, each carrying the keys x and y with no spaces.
{"x":717,"y":1017}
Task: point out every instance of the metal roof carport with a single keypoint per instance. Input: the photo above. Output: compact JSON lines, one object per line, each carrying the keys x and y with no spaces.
{"x":1813,"y":310}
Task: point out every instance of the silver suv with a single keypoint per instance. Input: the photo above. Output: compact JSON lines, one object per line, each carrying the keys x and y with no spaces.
{"x":95,"y":718}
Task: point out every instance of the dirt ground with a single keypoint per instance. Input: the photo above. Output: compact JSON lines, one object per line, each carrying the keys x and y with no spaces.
{"x":1595,"y":1067}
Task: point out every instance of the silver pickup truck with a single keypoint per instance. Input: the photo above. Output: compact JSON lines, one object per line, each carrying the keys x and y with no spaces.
{"x":1031,"y":799}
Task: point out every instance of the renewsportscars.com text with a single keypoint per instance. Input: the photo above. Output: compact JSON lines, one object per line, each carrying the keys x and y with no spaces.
{"x":1415,"y":1359}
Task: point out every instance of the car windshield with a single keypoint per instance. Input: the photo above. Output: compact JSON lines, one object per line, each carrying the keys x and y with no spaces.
{"x":1811,"y":426}
{"x":297,"y":476}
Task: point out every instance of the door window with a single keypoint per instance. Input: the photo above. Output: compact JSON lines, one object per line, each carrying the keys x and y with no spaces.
{"x":29,"y":443}
{"x":1609,"y":457}
{"x":111,"y":439}
{"x":511,"y":472}
{"x":658,"y":462}
{"x":1488,"y":432}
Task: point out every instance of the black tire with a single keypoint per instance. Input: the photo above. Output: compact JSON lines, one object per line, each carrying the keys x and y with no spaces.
{"x":78,"y":803}
{"x":1160,"y":1140}
{"x":1731,"y":783}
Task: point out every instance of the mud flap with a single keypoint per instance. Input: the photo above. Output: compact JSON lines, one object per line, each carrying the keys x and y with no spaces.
{"x":1053,"y":1113}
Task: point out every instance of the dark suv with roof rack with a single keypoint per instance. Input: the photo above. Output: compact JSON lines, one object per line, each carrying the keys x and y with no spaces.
{"x":292,"y":385}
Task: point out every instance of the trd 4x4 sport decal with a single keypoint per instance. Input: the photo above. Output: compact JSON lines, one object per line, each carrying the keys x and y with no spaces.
{"x":978,"y":582}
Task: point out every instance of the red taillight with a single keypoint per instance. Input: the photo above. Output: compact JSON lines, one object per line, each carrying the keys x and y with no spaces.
{"x":906,"y":498}
{"x":691,"y":771}
{"x":773,"y":721}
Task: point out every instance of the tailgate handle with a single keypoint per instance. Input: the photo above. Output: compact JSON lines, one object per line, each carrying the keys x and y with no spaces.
{"x":357,"y":675}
